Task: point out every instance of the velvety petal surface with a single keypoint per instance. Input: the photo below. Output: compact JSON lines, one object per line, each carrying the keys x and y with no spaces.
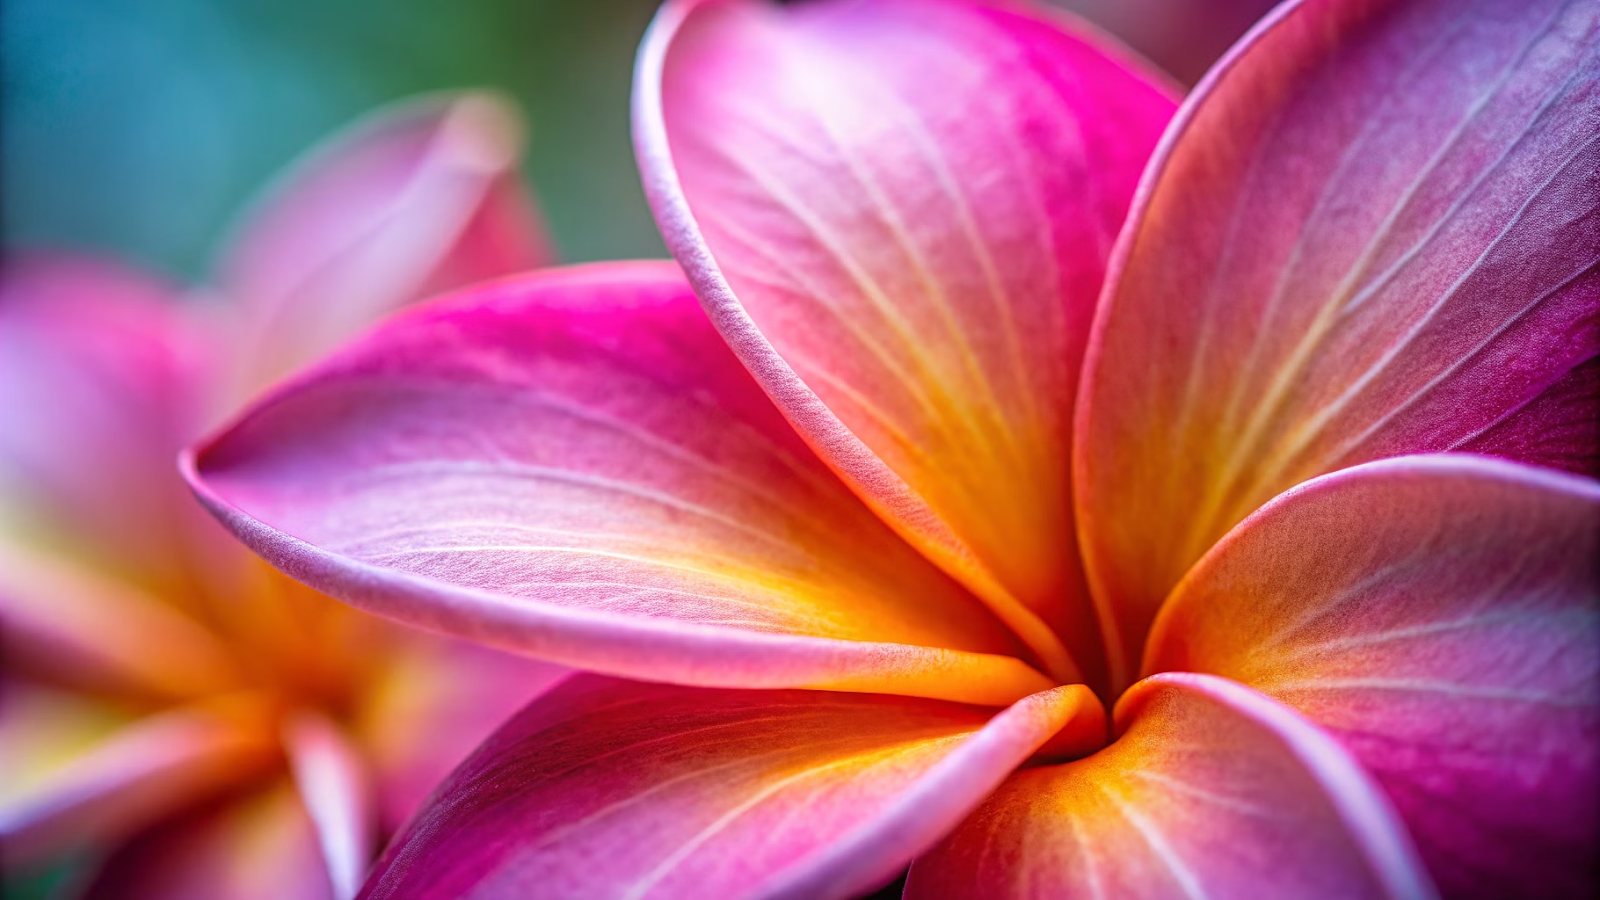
{"x":573,"y":465}
{"x":898,"y":214}
{"x":99,"y":376}
{"x":419,"y":197}
{"x":1441,"y":617}
{"x":1210,"y":790}
{"x":1372,"y":231}
{"x":606,"y":788}
{"x":258,"y":845}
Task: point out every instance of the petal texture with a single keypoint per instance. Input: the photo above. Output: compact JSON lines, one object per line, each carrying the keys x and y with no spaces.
{"x":1373,"y":231}
{"x":1210,"y":790}
{"x":605,"y":788}
{"x":573,"y":465}
{"x":417,"y":198}
{"x":1440,"y":616}
{"x":898,"y":214}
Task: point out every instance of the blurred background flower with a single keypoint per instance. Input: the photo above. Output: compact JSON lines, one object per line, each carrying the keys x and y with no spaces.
{"x":139,"y":126}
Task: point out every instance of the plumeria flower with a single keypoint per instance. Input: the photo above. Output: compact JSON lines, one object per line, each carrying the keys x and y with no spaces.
{"x":1280,"y":451}
{"x":235,"y":734}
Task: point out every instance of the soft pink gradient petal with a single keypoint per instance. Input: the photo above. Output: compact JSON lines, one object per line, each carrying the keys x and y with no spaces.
{"x":138,"y":774}
{"x":606,"y":788}
{"x":256,"y":846}
{"x":898,"y":214}
{"x":73,"y":625}
{"x":419,"y":197}
{"x":1441,"y":617}
{"x":335,"y":786}
{"x":1210,"y":790}
{"x":100,"y":379}
{"x":430,"y":706}
{"x":1372,"y":231}
{"x":573,"y":465}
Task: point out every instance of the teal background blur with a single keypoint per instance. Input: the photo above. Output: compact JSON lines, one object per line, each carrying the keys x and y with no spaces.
{"x":137,"y":127}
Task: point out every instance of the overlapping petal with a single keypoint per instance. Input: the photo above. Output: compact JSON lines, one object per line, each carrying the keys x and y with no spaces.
{"x":1373,"y":231}
{"x":1441,"y":616}
{"x":898,"y":214}
{"x":419,"y":197}
{"x":1210,"y":790}
{"x":605,"y":788}
{"x":573,"y":465}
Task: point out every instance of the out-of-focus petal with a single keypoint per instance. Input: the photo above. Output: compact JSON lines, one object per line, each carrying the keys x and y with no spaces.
{"x":573,"y":465}
{"x":417,"y":198}
{"x":335,"y":787}
{"x":99,"y":374}
{"x":1372,"y":231}
{"x":898,"y":214}
{"x":433,"y":702}
{"x":1441,"y":617}
{"x":138,"y":773}
{"x":611,"y":788}
{"x":255,"y":846}
{"x":1211,"y":790}
{"x":72,"y":626}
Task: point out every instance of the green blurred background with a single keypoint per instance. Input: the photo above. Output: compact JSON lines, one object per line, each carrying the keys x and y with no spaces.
{"x":137,"y":127}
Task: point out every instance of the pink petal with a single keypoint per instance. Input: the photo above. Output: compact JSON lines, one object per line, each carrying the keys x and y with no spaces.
{"x":432,"y":703}
{"x":99,"y":374}
{"x":1372,"y":231}
{"x":572,"y":465}
{"x":334,"y":785}
{"x":256,"y":846}
{"x":138,"y":774}
{"x":1441,"y":617}
{"x":1210,"y":790}
{"x":612,"y":788}
{"x":419,"y":197}
{"x":73,"y":626}
{"x":898,"y":214}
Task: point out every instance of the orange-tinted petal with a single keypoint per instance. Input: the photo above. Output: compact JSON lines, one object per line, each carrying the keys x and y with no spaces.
{"x":898,"y":214}
{"x":1440,"y":616}
{"x":1210,"y":790}
{"x":1374,"y":230}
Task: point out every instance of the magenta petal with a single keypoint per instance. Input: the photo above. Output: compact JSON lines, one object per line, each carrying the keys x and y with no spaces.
{"x":573,"y":465}
{"x":417,"y":198}
{"x":610,"y":788}
{"x":99,"y":388}
{"x":1373,"y":231}
{"x":1209,"y":790}
{"x":898,"y":214}
{"x":1441,"y":617}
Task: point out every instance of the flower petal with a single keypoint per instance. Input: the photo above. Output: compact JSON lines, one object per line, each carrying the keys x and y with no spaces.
{"x":73,"y":626}
{"x":1210,"y":790}
{"x":573,"y":465}
{"x":716,"y":792}
{"x":432,"y":703}
{"x":898,"y":214}
{"x":1441,"y":617}
{"x":258,"y":846}
{"x":334,"y":785}
{"x":417,"y":198}
{"x":98,"y":391}
{"x":1373,"y":231}
{"x":139,"y":773}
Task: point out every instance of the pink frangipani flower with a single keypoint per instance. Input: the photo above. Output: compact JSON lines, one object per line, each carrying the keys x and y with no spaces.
{"x":987,"y":433}
{"x":172,"y":705}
